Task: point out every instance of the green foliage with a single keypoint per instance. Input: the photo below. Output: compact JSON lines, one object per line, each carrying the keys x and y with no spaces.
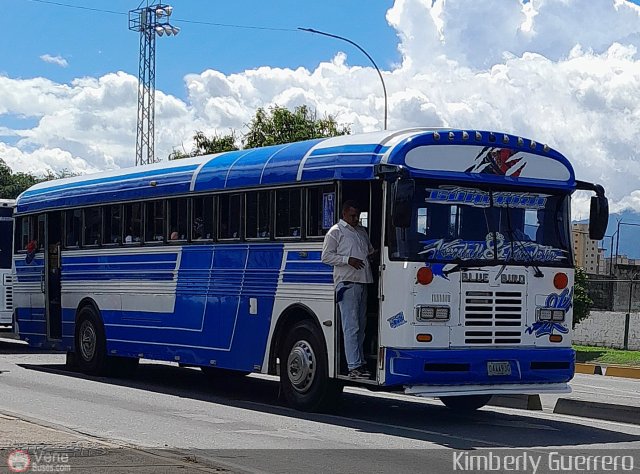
{"x":606,"y":355}
{"x":204,"y":145}
{"x":12,"y":184}
{"x":280,"y":125}
{"x":581,"y":300}
{"x":276,"y":126}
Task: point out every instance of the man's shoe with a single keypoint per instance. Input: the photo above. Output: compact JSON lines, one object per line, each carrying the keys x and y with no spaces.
{"x":364,"y":371}
{"x":357,"y":374}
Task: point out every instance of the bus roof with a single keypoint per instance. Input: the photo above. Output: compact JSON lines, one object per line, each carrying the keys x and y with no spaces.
{"x":476,"y":156}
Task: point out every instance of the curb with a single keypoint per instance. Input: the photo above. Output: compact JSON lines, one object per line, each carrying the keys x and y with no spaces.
{"x":522,"y":402}
{"x":598,"y":410}
{"x":608,"y":370}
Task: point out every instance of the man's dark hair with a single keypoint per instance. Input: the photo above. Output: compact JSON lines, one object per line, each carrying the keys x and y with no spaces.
{"x":349,"y":204}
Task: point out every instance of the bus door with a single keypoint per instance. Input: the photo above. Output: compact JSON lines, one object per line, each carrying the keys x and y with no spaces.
{"x":51,"y":284}
{"x":368,"y":195}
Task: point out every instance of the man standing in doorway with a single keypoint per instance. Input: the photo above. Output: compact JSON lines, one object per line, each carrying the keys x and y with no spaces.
{"x":347,"y":248}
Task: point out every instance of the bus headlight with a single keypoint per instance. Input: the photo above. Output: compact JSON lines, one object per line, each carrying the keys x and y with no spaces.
{"x":544,"y":314}
{"x":557,"y":315}
{"x":430,"y":313}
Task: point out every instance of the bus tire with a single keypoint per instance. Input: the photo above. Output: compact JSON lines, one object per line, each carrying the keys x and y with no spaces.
{"x":304,"y":371}
{"x":91,"y":344}
{"x":466,"y":403}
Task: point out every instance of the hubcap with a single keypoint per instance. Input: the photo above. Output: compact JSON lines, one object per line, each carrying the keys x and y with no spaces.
{"x":87,"y":340}
{"x":301,"y":366}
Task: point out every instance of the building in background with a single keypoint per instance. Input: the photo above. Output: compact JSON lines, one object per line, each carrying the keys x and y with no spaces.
{"x":587,"y":254}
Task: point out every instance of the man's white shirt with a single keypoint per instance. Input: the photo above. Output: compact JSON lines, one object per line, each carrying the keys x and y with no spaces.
{"x":344,"y":241}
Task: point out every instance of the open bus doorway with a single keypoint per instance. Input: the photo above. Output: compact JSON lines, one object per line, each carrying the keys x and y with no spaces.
{"x":368,"y":195}
{"x":53,"y":266}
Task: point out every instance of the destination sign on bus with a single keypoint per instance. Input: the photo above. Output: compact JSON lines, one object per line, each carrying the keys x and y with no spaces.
{"x":478,"y":198}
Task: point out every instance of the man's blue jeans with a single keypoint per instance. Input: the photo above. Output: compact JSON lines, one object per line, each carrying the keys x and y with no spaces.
{"x":352,"y":301}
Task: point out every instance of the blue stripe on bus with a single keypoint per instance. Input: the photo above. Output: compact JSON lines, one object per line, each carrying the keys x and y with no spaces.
{"x":304,"y":256}
{"x":113,"y":266}
{"x":109,"y":276}
{"x":128,"y":257}
{"x":307,"y":278}
{"x":370,"y":148}
{"x":308,"y":267}
{"x":364,"y":172}
{"x":341,"y":160}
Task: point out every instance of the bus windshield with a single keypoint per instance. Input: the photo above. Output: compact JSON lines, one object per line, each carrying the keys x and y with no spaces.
{"x":457,"y":224}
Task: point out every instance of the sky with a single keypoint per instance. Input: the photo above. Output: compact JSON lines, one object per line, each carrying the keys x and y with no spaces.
{"x":561,"y":72}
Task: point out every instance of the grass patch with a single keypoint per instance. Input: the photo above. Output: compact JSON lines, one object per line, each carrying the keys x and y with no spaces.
{"x":605,"y":355}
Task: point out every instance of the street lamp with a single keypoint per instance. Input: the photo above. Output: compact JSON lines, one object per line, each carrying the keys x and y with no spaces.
{"x":150,"y":21}
{"x":618,"y":236}
{"x":384,"y":89}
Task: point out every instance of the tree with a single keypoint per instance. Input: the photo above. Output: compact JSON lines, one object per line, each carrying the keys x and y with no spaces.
{"x":204,"y":145}
{"x":581,"y":300}
{"x":280,"y":125}
{"x":12,"y":184}
{"x":275,"y":126}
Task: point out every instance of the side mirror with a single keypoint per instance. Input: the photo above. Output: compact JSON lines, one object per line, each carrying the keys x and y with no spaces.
{"x":598,"y":217}
{"x":403,"y":192}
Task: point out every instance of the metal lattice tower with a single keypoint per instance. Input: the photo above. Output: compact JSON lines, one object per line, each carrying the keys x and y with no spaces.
{"x":150,"y":21}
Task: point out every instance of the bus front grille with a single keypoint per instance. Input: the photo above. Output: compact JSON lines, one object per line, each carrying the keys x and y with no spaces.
{"x":8,"y":293}
{"x":493,"y":317}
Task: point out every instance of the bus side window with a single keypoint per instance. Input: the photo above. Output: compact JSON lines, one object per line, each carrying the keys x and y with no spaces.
{"x":178,"y":219}
{"x":154,"y":221}
{"x":72,"y":227}
{"x":321,"y":210}
{"x":92,"y":226}
{"x":132,"y":222}
{"x":230,"y":207}
{"x":202,"y":215}
{"x":112,"y":224}
{"x":288,"y":206}
{"x":23,"y":224}
{"x":258,"y":213}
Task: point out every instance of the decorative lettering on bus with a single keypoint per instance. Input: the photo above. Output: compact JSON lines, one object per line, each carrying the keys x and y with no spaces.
{"x":502,"y":249}
{"x":478,"y":198}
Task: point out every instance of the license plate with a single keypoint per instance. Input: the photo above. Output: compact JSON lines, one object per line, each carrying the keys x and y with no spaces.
{"x":498,"y":368}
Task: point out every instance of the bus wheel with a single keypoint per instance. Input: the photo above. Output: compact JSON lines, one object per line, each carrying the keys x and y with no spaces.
{"x":304,"y":371}
{"x":90,"y":342}
{"x":466,"y":403}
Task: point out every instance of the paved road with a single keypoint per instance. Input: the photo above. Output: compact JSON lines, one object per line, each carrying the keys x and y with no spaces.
{"x":180,"y":411}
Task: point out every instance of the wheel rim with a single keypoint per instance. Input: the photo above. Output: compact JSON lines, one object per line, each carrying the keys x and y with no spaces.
{"x":88,"y":340}
{"x":301,"y":366}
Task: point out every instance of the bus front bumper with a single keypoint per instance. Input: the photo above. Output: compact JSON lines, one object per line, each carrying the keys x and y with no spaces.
{"x":481,"y":371}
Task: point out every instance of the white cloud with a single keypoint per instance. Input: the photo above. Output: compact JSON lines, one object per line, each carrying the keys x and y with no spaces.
{"x":57,"y":60}
{"x":562,"y":72}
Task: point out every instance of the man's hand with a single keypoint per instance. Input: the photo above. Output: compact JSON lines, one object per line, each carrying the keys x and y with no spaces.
{"x":356,"y":263}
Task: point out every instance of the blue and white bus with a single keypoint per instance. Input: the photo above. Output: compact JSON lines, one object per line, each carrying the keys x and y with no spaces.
{"x":6,"y":252}
{"x":215,"y":262}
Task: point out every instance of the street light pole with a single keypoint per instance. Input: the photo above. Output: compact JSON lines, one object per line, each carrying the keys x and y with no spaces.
{"x":149,"y":21}
{"x":620,"y":222}
{"x":384,"y":89}
{"x":618,"y":240}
